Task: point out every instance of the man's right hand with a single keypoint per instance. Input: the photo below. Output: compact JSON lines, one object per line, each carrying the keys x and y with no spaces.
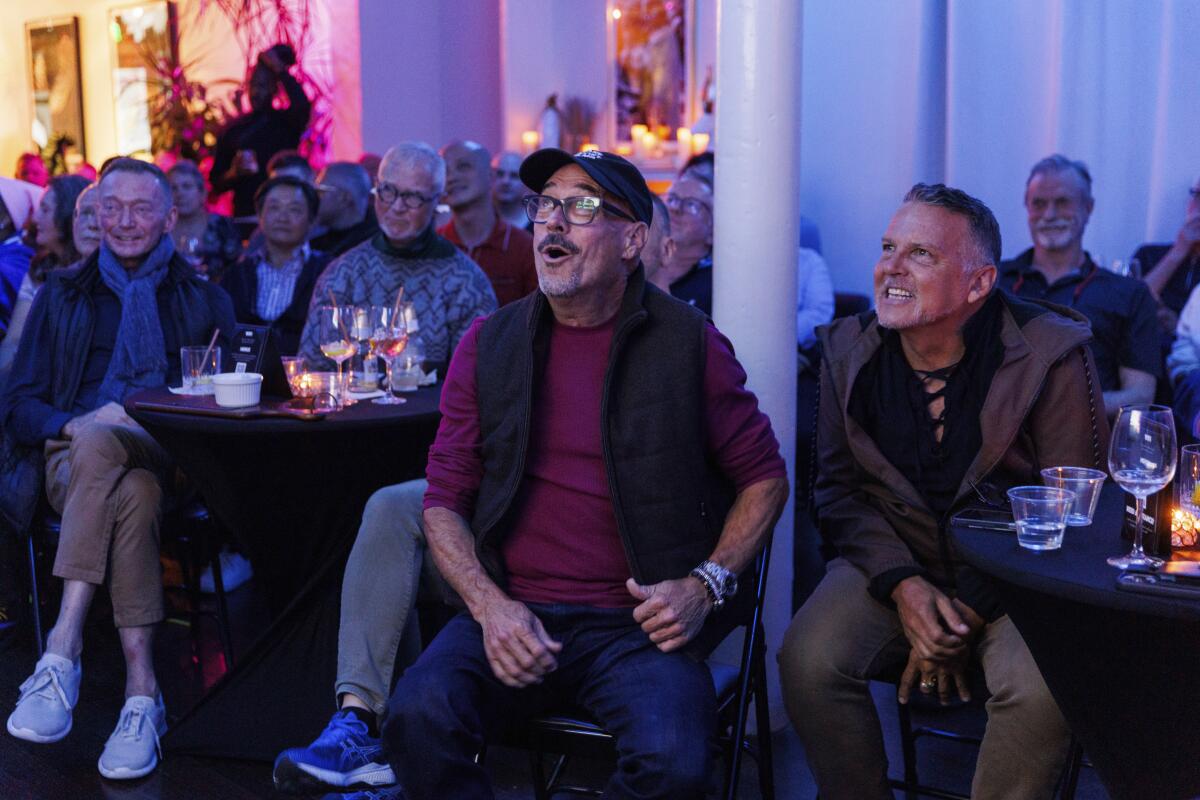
{"x":107,"y":414}
{"x":932,"y":625}
{"x":517,"y":646}
{"x":1187,"y":241}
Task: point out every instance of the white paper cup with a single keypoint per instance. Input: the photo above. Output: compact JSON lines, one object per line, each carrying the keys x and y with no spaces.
{"x":237,"y":389}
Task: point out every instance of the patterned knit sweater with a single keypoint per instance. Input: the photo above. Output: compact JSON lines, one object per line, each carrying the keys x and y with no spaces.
{"x":447,"y":290}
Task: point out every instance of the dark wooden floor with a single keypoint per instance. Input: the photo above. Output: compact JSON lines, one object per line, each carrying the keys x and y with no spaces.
{"x":67,"y":770}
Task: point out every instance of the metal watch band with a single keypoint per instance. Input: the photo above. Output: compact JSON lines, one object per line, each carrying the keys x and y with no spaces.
{"x":720,"y":581}
{"x":710,"y":585}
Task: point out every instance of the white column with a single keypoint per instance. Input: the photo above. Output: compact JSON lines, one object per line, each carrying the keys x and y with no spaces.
{"x":757,"y":211}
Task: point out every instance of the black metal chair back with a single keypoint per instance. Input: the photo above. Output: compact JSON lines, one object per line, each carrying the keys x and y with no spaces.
{"x":574,"y":734}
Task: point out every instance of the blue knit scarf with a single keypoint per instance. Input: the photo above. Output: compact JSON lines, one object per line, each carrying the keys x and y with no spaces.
{"x":139,"y":358}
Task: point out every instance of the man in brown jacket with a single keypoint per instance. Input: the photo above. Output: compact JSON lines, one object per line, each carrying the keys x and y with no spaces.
{"x":944,"y":397}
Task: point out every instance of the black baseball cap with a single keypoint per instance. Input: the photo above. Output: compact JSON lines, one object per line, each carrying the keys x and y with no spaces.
{"x":615,"y":175}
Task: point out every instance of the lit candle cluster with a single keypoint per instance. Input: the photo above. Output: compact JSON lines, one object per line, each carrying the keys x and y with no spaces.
{"x":1183,"y":528}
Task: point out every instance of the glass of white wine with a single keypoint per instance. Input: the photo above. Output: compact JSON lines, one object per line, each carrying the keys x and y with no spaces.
{"x":1142,"y":458}
{"x":336,"y":342}
{"x":389,"y":342}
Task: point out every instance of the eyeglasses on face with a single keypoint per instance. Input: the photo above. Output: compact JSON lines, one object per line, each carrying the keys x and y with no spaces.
{"x":688,"y":205}
{"x":389,"y":194}
{"x":580,"y":210}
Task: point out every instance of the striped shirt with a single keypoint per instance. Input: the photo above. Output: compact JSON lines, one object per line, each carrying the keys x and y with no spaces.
{"x":276,"y":285}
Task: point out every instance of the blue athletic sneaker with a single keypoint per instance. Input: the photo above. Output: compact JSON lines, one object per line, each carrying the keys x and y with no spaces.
{"x":343,"y":757}
{"x":382,"y":793}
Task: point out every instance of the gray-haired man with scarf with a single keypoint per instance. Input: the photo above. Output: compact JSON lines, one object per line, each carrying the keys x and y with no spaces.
{"x":97,"y":333}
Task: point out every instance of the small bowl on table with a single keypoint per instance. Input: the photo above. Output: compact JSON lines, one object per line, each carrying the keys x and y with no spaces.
{"x":237,"y":389}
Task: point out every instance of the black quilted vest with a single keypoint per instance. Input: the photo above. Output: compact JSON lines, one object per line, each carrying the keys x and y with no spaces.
{"x":670,"y":501}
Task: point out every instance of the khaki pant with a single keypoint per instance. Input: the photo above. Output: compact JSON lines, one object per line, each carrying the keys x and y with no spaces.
{"x":386,"y":571}
{"x":842,"y":637}
{"x":107,"y":483}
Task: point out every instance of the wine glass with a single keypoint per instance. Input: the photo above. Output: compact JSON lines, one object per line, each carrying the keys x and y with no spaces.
{"x":1141,"y":458}
{"x":389,"y":341}
{"x":336,"y":341}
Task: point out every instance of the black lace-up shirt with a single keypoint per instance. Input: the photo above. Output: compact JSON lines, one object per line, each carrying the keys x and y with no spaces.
{"x":891,"y":401}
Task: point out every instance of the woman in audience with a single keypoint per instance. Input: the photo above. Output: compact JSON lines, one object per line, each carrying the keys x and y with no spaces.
{"x":81,"y":242}
{"x":54,"y":222}
{"x":272,"y":286}
{"x":209,"y":241}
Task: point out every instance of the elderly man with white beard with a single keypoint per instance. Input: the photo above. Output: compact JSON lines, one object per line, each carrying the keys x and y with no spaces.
{"x":1058,"y":202}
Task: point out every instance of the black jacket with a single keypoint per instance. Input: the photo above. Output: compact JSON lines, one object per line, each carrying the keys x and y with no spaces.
{"x":45,"y":380}
{"x":242,"y":284}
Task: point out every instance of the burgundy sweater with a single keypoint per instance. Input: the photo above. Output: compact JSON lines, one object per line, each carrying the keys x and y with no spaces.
{"x":563,"y":546}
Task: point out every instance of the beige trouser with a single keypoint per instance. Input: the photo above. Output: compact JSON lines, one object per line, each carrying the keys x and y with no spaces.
{"x":842,"y":637}
{"x":107,"y":483}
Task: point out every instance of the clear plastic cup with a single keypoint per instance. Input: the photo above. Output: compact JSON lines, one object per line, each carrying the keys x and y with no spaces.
{"x":1041,"y":515}
{"x":197,"y":370}
{"x":1085,"y":483}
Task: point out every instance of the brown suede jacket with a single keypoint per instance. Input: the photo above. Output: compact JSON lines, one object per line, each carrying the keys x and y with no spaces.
{"x":1039,"y":412}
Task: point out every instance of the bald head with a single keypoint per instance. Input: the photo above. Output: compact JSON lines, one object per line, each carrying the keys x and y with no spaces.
{"x":468,"y":174}
{"x":507,"y":188}
{"x":345,"y":189}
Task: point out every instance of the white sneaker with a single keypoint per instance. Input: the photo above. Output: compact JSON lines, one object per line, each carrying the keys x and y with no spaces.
{"x":133,"y":750}
{"x":235,"y":570}
{"x":43,"y":712}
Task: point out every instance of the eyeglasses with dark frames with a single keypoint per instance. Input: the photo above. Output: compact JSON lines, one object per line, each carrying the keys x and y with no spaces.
{"x":580,"y":210}
{"x":389,"y":194}
{"x":689,"y":205}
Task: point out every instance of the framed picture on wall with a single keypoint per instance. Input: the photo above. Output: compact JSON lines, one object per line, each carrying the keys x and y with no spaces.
{"x":651,"y":54}
{"x":55,"y":83}
{"x":145,"y":42}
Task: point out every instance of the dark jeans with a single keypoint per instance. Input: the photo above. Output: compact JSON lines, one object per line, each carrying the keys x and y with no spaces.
{"x":661,"y":707}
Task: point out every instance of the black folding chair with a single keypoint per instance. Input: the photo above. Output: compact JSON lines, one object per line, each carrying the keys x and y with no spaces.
{"x":567,"y":735}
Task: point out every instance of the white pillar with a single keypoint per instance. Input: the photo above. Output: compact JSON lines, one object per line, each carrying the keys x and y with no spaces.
{"x":757,"y":211}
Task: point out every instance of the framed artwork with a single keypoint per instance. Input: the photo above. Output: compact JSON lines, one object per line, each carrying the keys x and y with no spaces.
{"x":56,"y":88}
{"x":144,"y":53}
{"x":651,"y":45}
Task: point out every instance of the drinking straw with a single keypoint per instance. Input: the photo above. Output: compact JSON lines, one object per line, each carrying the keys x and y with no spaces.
{"x":208,"y":352}
{"x":396,"y":308}
{"x":337,"y":315}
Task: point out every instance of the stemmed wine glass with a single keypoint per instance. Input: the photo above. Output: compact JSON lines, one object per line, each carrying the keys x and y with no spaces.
{"x":1141,"y":458}
{"x":336,"y":341}
{"x":389,"y":341}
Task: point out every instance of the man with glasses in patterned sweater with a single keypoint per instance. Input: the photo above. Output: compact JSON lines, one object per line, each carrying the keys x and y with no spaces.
{"x":447,"y":289}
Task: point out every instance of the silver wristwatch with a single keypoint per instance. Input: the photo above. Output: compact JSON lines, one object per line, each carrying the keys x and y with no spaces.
{"x":721,"y":583}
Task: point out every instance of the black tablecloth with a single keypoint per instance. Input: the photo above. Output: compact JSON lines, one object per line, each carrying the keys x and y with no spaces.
{"x":1124,"y":667}
{"x":292,"y":493}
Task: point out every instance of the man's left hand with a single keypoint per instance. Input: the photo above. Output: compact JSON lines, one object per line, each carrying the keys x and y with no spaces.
{"x":943,"y":677}
{"x":671,"y":612}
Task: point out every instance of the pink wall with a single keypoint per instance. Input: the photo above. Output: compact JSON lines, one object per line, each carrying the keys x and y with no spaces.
{"x":430,"y":71}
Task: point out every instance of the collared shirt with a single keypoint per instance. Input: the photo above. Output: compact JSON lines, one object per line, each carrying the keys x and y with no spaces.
{"x":696,"y":286}
{"x":1121,"y":310}
{"x":505,"y":256}
{"x":276,"y":285}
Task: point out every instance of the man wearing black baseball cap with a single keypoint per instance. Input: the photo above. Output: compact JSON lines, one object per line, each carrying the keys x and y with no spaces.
{"x":600,"y":478}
